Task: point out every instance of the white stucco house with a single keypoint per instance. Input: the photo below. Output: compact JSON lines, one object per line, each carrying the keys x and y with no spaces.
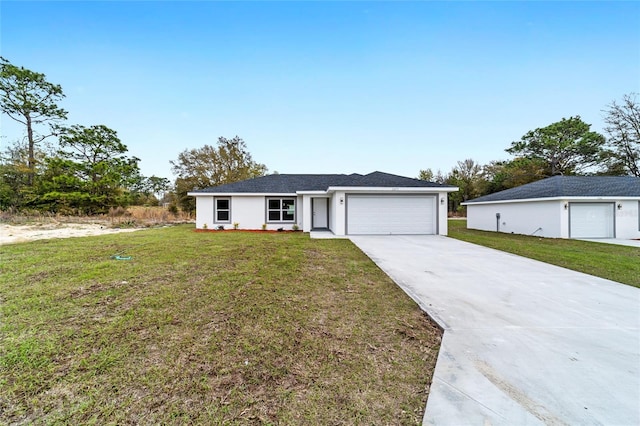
{"x":377,"y":203}
{"x":562,"y":207}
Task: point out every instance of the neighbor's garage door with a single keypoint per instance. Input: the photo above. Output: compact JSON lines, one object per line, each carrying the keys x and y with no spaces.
{"x":391,"y":214}
{"x":591,"y":220}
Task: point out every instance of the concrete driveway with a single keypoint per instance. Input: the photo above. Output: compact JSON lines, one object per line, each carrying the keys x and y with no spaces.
{"x":525,"y":342}
{"x":617,"y":241}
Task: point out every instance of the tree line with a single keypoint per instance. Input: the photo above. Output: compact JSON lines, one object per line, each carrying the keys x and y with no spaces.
{"x":78,"y":169}
{"x":61,"y":168}
{"x":567,"y":147}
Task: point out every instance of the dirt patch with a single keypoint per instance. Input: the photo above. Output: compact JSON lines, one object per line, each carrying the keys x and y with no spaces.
{"x":10,"y":234}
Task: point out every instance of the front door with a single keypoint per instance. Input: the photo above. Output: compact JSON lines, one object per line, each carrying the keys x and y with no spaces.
{"x":319,"y":207}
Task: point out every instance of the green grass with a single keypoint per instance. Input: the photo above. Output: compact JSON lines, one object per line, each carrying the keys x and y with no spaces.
{"x":207,"y":328}
{"x":613,"y":262}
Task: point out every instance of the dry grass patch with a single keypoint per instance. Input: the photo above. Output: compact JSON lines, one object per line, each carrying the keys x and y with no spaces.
{"x":140,"y":216}
{"x":146,"y":216}
{"x":208,"y":328}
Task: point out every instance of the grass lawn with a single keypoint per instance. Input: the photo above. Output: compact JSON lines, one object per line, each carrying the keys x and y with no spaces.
{"x":207,"y":328}
{"x":617,"y":263}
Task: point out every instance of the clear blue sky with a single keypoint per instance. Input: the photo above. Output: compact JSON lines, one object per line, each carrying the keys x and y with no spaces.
{"x":327,"y":87}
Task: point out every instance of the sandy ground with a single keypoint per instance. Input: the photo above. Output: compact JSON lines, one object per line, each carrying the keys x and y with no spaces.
{"x":20,"y":233}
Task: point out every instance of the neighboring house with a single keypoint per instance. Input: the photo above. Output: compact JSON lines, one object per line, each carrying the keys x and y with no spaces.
{"x":562,"y":207}
{"x":377,"y":204}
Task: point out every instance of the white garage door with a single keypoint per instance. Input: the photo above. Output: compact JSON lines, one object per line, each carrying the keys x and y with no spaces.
{"x":591,"y":220}
{"x":391,"y":214}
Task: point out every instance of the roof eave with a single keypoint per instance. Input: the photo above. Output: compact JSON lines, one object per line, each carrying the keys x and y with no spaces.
{"x":563,"y":198}
{"x":429,"y":189}
{"x":241,"y":194}
{"x":312,"y":192}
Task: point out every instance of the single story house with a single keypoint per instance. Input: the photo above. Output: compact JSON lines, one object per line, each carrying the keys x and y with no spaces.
{"x":562,"y":207}
{"x":377,"y":203}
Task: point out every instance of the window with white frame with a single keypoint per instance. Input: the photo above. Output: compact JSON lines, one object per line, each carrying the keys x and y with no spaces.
{"x":281,"y":209}
{"x":222,"y":213}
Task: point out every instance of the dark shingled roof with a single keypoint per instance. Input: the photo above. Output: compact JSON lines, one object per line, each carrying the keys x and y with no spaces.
{"x":569,"y":186}
{"x":289,"y":184}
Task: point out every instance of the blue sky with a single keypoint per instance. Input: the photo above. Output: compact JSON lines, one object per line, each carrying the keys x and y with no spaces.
{"x":327,"y":87}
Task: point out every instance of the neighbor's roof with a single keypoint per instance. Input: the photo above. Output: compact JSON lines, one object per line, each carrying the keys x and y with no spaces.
{"x":290,"y":184}
{"x":569,"y":186}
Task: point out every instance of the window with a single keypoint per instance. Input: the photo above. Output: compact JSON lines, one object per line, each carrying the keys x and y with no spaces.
{"x":222,"y":210}
{"x":281,"y":209}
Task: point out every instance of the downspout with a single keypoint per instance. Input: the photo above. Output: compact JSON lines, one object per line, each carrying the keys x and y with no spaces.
{"x":497,"y":222}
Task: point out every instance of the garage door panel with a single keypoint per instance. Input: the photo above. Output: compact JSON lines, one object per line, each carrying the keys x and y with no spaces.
{"x":591,"y":220}
{"x":390,"y":214}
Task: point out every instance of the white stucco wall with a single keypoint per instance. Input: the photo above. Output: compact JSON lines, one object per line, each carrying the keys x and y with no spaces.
{"x":443,"y":219}
{"x":551,"y":216}
{"x":541,"y":218}
{"x":204,"y":212}
{"x":248,"y":211}
{"x":301,"y":210}
{"x":627,"y":222}
{"x":304,"y":216}
{"x":338,"y":213}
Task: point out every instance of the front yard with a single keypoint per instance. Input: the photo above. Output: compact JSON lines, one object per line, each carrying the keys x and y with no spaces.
{"x":613,"y":262}
{"x":207,"y":328}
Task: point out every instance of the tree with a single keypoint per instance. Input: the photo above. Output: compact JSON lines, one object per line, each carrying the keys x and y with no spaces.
{"x":28,"y":98}
{"x":501,"y":175}
{"x":567,"y":147}
{"x":15,"y":190}
{"x":90,"y":173}
{"x":426,"y":175}
{"x":158,"y":186}
{"x":150,"y":190}
{"x":623,"y":129}
{"x":467,"y":176}
{"x":429,"y":176}
{"x":229,"y":161}
{"x":14,"y":172}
